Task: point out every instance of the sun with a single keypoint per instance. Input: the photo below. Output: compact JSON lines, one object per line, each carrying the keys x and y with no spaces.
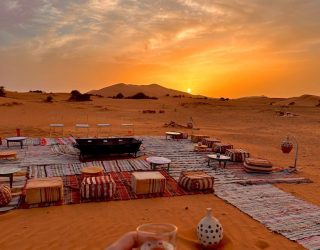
{"x":189,"y":90}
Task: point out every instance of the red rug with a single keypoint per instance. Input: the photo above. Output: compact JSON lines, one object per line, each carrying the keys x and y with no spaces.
{"x":123,"y":190}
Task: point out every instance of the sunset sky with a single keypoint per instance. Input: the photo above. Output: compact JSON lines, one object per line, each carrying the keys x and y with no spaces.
{"x":216,"y":48}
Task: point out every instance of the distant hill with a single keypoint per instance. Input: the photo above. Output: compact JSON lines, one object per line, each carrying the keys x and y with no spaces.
{"x":155,"y":90}
{"x":304,"y":100}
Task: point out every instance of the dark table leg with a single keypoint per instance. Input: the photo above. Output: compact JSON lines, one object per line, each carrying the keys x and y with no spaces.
{"x":224,"y":165}
{"x":153,"y":166}
{"x":7,"y":143}
{"x":21,"y":144}
{"x":11,"y":180}
{"x":168,"y":167}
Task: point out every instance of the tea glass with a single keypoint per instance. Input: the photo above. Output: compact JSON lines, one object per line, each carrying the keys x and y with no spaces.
{"x":157,"y":236}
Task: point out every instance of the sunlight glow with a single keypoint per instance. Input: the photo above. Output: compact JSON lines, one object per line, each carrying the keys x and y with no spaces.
{"x":189,"y":90}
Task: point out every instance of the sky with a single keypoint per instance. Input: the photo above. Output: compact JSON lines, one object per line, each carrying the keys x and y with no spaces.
{"x":228,"y":48}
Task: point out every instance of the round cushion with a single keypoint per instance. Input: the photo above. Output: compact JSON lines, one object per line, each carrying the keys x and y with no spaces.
{"x":5,"y":195}
{"x":91,"y":171}
{"x":196,"y":181}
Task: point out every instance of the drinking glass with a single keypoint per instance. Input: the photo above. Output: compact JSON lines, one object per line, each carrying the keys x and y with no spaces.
{"x":155,"y":236}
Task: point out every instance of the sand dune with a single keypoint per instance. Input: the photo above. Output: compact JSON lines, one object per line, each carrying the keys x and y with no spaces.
{"x":248,"y":123}
{"x":304,"y":100}
{"x":131,"y":89}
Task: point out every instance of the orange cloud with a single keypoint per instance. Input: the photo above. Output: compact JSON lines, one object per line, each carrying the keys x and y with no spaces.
{"x":218,"y":49}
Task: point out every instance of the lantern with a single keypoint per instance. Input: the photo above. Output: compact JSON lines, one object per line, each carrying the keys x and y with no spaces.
{"x":286,"y":146}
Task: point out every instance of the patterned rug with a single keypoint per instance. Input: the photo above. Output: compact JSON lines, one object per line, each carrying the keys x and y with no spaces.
{"x":184,"y":158}
{"x":60,"y":170}
{"x":279,"y":211}
{"x":124,"y":191}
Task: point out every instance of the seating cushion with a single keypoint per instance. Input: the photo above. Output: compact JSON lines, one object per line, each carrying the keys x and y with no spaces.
{"x":258,"y":162}
{"x":43,"y":190}
{"x":98,"y":187}
{"x":196,"y":181}
{"x":148,"y":182}
{"x":5,"y":195}
{"x":210,"y":142}
{"x":257,"y":165}
{"x":237,"y":155}
{"x":221,"y":147}
{"x":198,"y":138}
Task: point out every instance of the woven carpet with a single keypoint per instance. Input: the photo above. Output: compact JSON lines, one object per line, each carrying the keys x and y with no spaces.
{"x":181,"y":153}
{"x":123,"y":190}
{"x":277,"y":210}
{"x":280,"y":212}
{"x":60,"y":170}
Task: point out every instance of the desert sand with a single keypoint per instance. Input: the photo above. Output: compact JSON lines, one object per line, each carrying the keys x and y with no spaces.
{"x":249,"y":123}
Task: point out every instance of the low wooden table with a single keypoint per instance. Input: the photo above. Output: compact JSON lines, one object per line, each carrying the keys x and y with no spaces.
{"x":91,"y":171}
{"x":19,"y":139}
{"x":200,"y":148}
{"x":172,"y":134}
{"x":8,"y":154}
{"x":156,"y":161}
{"x":219,"y":158}
{"x":8,"y":172}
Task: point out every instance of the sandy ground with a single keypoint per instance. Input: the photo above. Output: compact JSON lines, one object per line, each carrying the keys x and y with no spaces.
{"x":250,"y":123}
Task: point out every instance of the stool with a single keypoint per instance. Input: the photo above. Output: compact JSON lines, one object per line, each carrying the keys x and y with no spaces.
{"x":221,"y":147}
{"x":44,"y":190}
{"x":103,"y":126}
{"x":210,"y":141}
{"x":148,"y":182}
{"x":91,"y":171}
{"x":196,"y":181}
{"x":237,"y":155}
{"x":8,"y":154}
{"x":198,"y":138}
{"x":95,"y":187}
{"x":54,"y":126}
{"x":257,"y":165}
{"x":84,"y":126}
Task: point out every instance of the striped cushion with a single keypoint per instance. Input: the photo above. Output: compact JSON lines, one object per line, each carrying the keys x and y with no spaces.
{"x":237,"y":155}
{"x":148,"y":182}
{"x":210,"y":141}
{"x":256,"y":165}
{"x":5,"y":195}
{"x":221,"y":147}
{"x":98,"y":187}
{"x":43,"y":190}
{"x":258,"y":162}
{"x":196,"y":181}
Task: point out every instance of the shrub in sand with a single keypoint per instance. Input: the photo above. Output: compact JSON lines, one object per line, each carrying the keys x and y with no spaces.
{"x":118,"y":96}
{"x":36,"y":91}
{"x":49,"y":99}
{"x":76,"y":96}
{"x":224,"y":99}
{"x":141,"y":95}
{"x":2,"y":92}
